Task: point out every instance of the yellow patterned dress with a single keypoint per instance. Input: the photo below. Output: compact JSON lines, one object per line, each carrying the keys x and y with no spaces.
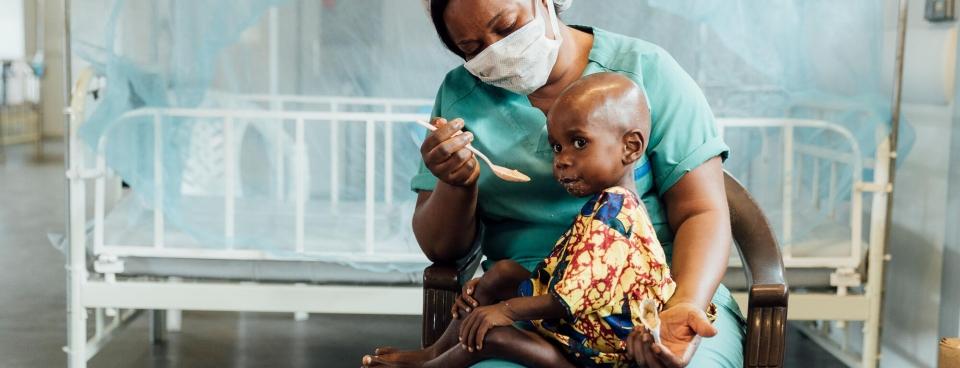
{"x":601,"y":269}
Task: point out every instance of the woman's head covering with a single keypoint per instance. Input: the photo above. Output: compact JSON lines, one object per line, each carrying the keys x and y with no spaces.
{"x":437,"y":20}
{"x":560,"y":5}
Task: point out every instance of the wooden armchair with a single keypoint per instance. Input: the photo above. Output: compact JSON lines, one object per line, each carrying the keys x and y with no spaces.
{"x":767,"y":308}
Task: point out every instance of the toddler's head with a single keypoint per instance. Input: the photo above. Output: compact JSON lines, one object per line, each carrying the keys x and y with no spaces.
{"x":598,"y":128}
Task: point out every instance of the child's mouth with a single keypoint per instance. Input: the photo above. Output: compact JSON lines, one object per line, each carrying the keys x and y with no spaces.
{"x":570,"y":184}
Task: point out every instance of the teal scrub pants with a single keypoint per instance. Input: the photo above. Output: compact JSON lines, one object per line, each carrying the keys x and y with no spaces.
{"x":725,"y":350}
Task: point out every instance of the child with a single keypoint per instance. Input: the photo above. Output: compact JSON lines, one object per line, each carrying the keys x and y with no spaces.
{"x":581,"y":302}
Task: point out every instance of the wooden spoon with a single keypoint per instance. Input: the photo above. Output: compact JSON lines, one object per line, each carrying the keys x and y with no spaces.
{"x":501,"y":172}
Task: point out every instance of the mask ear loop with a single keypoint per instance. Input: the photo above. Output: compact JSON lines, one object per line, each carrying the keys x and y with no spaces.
{"x":554,"y":20}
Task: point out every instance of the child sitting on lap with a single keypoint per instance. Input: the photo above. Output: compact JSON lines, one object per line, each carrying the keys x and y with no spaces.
{"x":582,"y":301}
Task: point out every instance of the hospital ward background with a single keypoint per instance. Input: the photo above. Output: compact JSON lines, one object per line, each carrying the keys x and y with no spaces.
{"x":226,"y":183}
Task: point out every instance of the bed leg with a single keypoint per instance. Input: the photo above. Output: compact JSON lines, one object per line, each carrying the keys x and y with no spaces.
{"x":158,"y":318}
{"x":76,"y":334}
{"x":174,"y":320}
{"x":174,"y":317}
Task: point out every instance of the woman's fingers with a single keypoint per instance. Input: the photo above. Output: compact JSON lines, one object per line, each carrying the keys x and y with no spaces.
{"x":631,"y":340}
{"x":445,"y":154}
{"x":702,"y":326}
{"x":449,"y":149}
{"x":652,"y":360}
{"x":452,"y":162}
{"x":431,"y":140}
{"x":464,"y":173}
{"x":445,"y":130}
{"x":666,"y":356}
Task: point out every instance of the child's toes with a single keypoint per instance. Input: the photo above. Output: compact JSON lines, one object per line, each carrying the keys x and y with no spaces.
{"x":384,"y":350}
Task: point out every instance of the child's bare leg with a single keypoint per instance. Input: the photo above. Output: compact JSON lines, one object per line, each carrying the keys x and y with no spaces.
{"x":499,"y":283}
{"x":510,"y":343}
{"x":506,"y":342}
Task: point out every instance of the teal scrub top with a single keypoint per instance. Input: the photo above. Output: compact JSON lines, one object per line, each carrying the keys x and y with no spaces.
{"x":522,"y":221}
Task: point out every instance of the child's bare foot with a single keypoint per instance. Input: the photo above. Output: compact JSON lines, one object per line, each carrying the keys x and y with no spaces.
{"x":420,"y":355}
{"x":399,"y":359}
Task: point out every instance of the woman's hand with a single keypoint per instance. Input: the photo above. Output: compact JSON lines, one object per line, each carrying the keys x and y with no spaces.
{"x":446,"y":155}
{"x":465,"y":301}
{"x":681,"y":327}
{"x":476,"y":325}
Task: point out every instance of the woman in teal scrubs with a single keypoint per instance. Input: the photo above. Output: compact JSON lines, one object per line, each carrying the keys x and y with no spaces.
{"x":500,"y":96}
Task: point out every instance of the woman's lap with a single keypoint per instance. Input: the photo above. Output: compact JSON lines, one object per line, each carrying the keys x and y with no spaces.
{"x":724,"y":350}
{"x":496,"y":363}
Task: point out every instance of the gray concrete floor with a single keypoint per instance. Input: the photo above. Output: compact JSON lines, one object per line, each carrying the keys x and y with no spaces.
{"x":32,"y":303}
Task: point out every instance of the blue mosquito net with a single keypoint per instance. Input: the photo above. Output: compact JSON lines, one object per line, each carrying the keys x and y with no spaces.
{"x":805,"y":59}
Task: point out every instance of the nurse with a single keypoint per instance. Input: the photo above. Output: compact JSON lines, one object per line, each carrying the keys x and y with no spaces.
{"x":518,"y":57}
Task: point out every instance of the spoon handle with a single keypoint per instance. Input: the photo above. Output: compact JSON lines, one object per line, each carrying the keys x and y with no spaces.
{"x":469,"y":146}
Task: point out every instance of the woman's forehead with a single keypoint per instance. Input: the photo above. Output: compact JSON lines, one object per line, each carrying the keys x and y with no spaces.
{"x":464,"y":17}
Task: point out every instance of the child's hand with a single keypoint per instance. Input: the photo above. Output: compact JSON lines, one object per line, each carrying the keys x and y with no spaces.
{"x":475,"y":326}
{"x":465,"y":301}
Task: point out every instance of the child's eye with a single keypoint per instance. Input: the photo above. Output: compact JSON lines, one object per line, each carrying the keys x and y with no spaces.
{"x":557,"y":148}
{"x":579,"y":143}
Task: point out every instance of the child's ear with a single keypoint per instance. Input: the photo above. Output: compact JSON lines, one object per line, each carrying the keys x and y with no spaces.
{"x":634,"y":143}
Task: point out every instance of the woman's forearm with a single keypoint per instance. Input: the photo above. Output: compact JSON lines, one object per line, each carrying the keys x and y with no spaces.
{"x":701,"y":250}
{"x":445,"y":221}
{"x":698,"y":213}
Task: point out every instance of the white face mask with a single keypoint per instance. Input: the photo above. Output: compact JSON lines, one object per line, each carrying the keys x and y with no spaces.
{"x":522,"y":61}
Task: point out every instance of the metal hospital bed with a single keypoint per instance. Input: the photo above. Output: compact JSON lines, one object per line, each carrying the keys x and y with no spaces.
{"x":20,"y":113}
{"x":118,"y":268}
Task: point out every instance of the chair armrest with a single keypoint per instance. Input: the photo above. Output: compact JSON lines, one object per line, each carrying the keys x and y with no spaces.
{"x":767,"y":307}
{"x":441,"y":284}
{"x":442,"y":276}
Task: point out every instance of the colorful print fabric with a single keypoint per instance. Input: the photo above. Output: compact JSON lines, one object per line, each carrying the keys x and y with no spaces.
{"x":601,"y":269}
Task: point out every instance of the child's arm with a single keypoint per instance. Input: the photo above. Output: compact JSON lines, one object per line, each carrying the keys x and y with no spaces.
{"x":478,"y":323}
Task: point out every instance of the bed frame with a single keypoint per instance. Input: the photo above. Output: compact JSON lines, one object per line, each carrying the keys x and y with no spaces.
{"x":96,"y":280}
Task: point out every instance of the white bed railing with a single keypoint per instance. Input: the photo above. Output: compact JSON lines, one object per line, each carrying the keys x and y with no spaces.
{"x":792,"y":153}
{"x":334,"y":117}
{"x":336,"y":111}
